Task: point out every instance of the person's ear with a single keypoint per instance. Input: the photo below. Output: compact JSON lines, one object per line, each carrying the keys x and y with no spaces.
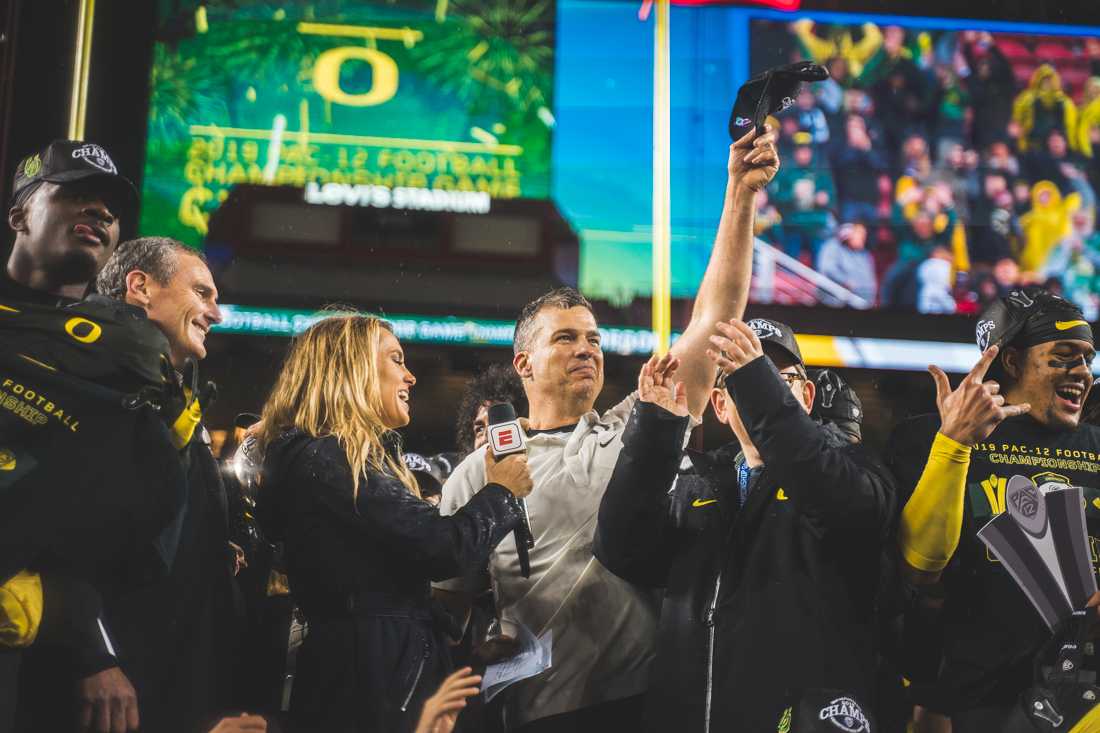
{"x":809,"y":392}
{"x":138,"y":286}
{"x":1013,"y":361}
{"x":17,"y":219}
{"x":521,"y":362}
{"x":719,"y":400}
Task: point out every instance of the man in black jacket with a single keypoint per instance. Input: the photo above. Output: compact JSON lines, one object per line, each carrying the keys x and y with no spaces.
{"x":768,"y":548}
{"x":175,"y":639}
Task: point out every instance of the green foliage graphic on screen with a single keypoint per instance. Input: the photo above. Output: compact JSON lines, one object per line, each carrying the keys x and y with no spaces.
{"x":445,"y":94}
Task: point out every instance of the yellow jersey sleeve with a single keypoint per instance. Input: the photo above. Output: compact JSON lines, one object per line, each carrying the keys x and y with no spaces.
{"x":931,"y":521}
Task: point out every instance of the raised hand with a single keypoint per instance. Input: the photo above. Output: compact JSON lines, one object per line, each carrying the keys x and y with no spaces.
{"x":735,"y":345}
{"x":976,"y":407}
{"x":754,"y":161}
{"x":655,"y":385}
{"x":441,"y":709}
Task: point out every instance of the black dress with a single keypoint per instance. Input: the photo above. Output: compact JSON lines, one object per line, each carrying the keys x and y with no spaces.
{"x":360,"y":569}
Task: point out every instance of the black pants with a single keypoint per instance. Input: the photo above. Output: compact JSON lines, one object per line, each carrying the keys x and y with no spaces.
{"x":9,"y":687}
{"x":625,"y":714}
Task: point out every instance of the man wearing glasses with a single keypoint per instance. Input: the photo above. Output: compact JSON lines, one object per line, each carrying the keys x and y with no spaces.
{"x":768,"y":548}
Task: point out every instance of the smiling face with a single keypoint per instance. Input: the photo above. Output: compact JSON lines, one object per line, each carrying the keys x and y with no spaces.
{"x":1054,"y":378}
{"x":563,"y":361}
{"x":184,"y":308}
{"x":395,"y":381}
{"x":68,"y":229}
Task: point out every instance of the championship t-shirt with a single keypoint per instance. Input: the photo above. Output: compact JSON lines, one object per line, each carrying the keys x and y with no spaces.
{"x":991,"y":630}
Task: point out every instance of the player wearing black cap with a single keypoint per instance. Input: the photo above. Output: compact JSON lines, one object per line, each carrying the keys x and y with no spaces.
{"x":1017,"y":412}
{"x":767,"y":548}
{"x":66,"y":207}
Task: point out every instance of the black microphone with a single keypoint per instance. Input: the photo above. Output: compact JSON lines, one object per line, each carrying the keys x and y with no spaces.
{"x":505,"y":438}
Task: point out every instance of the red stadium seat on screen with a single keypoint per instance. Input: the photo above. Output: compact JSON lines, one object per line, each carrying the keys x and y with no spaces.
{"x":1053,"y":52}
{"x":1013,"y":49}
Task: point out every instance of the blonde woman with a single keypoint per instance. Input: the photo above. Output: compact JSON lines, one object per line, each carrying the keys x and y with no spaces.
{"x":361,"y":546}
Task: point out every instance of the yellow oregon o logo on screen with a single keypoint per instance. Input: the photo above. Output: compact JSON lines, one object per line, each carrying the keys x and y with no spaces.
{"x":326,"y":76}
{"x":89,"y":335}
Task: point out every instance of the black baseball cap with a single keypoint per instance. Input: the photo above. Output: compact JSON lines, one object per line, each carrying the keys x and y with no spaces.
{"x":1027,"y":316}
{"x":777,"y":335}
{"x":428,"y":475}
{"x":67,"y":161}
{"x":770,"y":93}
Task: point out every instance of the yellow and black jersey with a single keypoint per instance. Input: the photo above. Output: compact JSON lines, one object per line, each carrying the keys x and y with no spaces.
{"x":990,"y":630}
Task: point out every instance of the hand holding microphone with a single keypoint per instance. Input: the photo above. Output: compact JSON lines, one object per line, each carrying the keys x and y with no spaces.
{"x":510,"y":472}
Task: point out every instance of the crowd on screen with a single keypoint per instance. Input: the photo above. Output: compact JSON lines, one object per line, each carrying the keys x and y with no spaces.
{"x":937,"y":170}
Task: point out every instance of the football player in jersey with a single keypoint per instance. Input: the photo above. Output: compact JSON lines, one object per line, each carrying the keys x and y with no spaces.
{"x":1019,"y":411}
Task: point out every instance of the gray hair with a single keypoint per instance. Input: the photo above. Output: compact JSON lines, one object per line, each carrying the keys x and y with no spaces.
{"x":563,"y":298}
{"x":155,"y":256}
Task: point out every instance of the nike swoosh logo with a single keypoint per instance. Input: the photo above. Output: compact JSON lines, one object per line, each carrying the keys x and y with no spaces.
{"x":1067,"y":325}
{"x":780,"y":495}
{"x":703,"y":502}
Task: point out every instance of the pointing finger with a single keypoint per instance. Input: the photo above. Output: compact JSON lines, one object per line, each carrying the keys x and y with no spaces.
{"x":978,"y":372}
{"x":943,"y":385}
{"x":1014,"y":410}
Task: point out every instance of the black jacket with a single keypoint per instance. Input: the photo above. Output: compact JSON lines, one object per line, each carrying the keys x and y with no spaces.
{"x":763,"y":601}
{"x":360,"y":569}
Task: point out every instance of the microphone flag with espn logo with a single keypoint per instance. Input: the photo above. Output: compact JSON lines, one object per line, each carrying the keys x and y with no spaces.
{"x":1042,"y":541}
{"x":505,"y":433}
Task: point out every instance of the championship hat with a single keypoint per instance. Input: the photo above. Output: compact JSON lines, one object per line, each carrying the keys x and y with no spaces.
{"x":776,"y":335}
{"x":67,"y":161}
{"x":1029,"y":316}
{"x":770,"y":93}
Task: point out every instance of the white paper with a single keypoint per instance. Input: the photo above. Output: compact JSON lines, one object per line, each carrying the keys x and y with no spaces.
{"x":533,"y":658}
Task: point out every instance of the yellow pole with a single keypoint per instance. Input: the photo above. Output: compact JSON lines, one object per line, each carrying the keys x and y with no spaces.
{"x":82,"y":54}
{"x":662,"y":191}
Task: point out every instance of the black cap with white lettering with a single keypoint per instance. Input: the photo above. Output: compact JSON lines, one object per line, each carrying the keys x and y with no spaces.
{"x":778,"y":335}
{"x":67,"y":161}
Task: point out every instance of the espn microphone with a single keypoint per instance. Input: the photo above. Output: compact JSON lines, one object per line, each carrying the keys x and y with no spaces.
{"x":506,"y":438}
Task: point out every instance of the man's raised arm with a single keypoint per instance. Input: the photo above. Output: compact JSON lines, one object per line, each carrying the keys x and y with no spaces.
{"x":725,"y":287}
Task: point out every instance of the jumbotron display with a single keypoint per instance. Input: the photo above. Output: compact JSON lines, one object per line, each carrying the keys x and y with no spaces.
{"x":945,"y":162}
{"x":453,"y":96}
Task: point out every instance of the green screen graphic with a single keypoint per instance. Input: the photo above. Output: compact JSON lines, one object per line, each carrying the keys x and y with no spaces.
{"x":439,"y":94}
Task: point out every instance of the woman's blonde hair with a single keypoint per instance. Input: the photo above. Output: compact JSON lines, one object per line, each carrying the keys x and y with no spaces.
{"x":329,"y":385}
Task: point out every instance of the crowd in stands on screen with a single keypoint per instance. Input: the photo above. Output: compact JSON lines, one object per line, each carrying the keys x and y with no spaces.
{"x":935,"y":170}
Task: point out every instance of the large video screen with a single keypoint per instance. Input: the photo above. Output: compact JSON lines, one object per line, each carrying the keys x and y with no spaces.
{"x":944,"y":162}
{"x":418,"y":94}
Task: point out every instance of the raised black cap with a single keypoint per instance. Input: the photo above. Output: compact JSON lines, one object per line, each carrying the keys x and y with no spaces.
{"x":770,"y":93}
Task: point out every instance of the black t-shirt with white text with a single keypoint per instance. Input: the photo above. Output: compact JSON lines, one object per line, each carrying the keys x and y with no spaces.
{"x":991,"y":630}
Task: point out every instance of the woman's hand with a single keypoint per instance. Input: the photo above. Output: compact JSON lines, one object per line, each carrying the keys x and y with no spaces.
{"x":441,"y":709}
{"x":510,"y":472}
